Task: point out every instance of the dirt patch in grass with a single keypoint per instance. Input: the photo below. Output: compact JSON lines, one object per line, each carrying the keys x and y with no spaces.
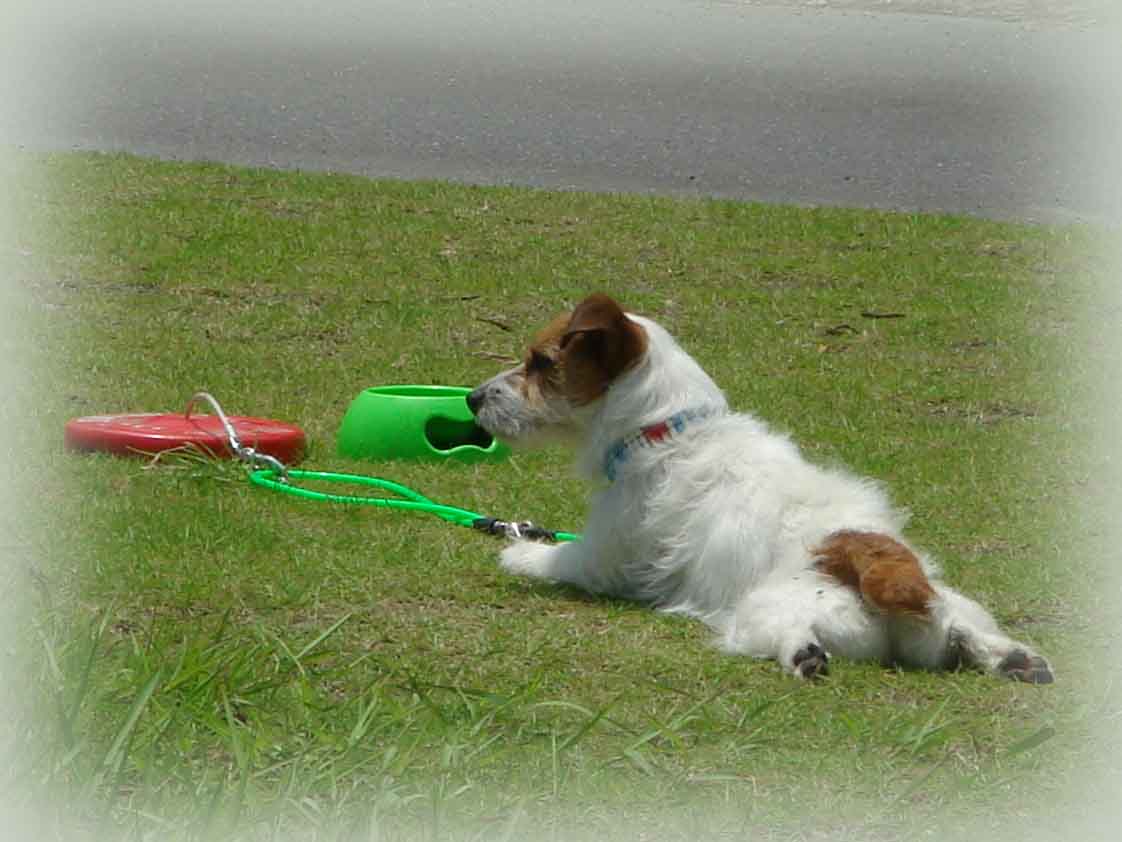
{"x":994,"y":412}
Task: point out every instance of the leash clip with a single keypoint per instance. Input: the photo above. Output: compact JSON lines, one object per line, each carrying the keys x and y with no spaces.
{"x":245,"y":454}
{"x":514,"y":530}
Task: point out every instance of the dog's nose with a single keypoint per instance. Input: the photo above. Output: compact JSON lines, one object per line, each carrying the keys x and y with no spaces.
{"x":475,"y":400}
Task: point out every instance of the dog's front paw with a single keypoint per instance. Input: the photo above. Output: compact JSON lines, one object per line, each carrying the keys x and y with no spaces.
{"x":811,"y":662}
{"x":1020,"y":665}
{"x":527,"y":558}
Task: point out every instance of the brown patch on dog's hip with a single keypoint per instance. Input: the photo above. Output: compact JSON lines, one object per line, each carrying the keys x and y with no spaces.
{"x":887,"y":574}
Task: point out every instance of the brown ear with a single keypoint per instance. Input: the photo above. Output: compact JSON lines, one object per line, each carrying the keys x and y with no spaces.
{"x":598,"y":345}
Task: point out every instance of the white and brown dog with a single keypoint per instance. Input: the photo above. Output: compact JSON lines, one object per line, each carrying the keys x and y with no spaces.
{"x":705,"y":512}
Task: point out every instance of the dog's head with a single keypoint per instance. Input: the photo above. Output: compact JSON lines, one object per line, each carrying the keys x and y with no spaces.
{"x":565,"y":373}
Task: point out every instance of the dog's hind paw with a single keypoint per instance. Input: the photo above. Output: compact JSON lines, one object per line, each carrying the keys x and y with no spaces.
{"x":1020,"y":665}
{"x":811,"y":662}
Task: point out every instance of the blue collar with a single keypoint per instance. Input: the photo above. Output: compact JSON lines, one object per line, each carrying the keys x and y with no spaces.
{"x":622,"y":451}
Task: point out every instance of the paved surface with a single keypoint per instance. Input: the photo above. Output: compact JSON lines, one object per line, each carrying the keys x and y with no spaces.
{"x":825,"y":103}
{"x":1079,"y":13}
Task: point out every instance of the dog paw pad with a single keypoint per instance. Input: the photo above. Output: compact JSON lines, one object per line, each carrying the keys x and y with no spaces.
{"x":1021,"y":666}
{"x":812,"y":662}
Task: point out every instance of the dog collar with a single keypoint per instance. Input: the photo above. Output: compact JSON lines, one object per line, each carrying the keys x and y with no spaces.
{"x":622,"y":451}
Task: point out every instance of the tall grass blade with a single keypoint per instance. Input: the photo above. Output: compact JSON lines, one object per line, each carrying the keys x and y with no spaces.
{"x":114,"y":759}
{"x":330,"y":631}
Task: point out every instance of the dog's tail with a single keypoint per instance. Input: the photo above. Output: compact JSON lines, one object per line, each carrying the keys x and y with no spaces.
{"x":887,"y":574}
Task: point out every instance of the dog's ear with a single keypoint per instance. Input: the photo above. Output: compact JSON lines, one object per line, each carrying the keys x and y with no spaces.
{"x":598,"y":345}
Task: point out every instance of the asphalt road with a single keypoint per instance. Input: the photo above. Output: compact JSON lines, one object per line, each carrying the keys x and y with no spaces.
{"x":686,"y":97}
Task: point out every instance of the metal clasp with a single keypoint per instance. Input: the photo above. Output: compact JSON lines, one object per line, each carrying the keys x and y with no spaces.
{"x":247,"y":455}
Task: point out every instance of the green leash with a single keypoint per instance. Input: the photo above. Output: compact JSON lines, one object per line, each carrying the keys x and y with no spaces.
{"x":407,"y":499}
{"x":269,"y":472}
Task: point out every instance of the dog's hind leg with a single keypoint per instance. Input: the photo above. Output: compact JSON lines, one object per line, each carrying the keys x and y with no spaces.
{"x":801,"y":620}
{"x":962,"y":631}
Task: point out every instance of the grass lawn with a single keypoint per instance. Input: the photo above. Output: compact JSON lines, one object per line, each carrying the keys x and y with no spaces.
{"x":205,"y":659}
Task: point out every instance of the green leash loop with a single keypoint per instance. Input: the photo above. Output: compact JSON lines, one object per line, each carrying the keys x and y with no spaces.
{"x":409,"y":500}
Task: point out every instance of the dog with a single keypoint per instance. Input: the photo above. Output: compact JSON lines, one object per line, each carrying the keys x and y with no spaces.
{"x":706,"y":512}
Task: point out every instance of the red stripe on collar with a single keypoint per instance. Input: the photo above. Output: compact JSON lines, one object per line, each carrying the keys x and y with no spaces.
{"x":649,"y":436}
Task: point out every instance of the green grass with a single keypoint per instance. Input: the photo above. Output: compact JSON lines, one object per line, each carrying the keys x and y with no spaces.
{"x":209,"y":660}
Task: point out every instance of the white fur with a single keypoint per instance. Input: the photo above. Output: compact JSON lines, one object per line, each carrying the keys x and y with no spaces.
{"x":719,"y":522}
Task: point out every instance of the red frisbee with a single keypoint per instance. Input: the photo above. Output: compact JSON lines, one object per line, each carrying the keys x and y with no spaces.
{"x":152,"y":433}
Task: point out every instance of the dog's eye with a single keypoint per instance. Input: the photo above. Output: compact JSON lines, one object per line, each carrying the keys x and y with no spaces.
{"x":539,"y":362}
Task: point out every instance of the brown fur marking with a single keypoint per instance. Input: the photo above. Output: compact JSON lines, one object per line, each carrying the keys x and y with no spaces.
{"x":579,"y":354}
{"x":540,"y":369}
{"x":885,"y":572}
{"x":599,"y":344}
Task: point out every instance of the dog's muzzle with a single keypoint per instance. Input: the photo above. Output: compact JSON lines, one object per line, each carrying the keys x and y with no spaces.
{"x":476,"y":399}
